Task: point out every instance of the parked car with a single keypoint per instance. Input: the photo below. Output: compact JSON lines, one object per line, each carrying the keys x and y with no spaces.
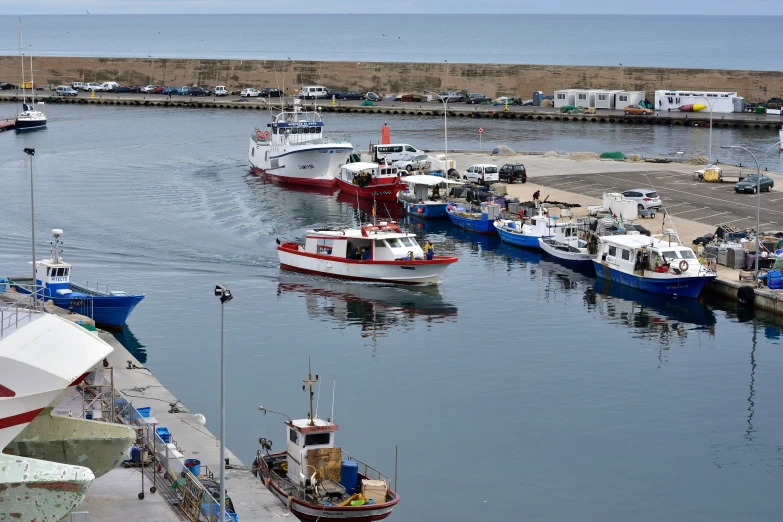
{"x":477,"y":97}
{"x":6,"y":86}
{"x":511,"y":172}
{"x":65,"y":90}
{"x":77,"y":86}
{"x":372,"y":96}
{"x":249,"y":92}
{"x":170,"y":90}
{"x":482,"y":173}
{"x":271,"y":93}
{"x":750,"y":184}
{"x":635,"y":109}
{"x":121,"y":89}
{"x":198,"y":91}
{"x":645,"y":198}
{"x":418,"y":162}
{"x":92,"y":87}
{"x":351,"y":95}
{"x":312,"y":91}
{"x":147,"y":89}
{"x":334,"y":93}
{"x":136,"y":88}
{"x":184,"y":90}
{"x":158,"y":89}
{"x":451,"y":97}
{"x":221,"y":90}
{"x":108,"y":86}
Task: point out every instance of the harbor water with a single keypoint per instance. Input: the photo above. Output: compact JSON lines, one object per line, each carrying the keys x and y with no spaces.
{"x":637,"y":40}
{"x":516,"y":389}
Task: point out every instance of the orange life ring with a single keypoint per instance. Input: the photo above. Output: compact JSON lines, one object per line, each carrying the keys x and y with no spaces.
{"x":259,"y":134}
{"x":265,"y":134}
{"x":684,"y":265}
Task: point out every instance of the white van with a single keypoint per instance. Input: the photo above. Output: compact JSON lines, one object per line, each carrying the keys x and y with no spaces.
{"x":220,"y":90}
{"x":313,"y":91}
{"x":394,"y":152}
{"x":482,"y":173}
{"x":107,"y":86}
{"x":65,"y":90}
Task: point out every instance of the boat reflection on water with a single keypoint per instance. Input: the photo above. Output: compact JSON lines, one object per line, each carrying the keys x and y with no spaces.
{"x":516,"y":257}
{"x":484,"y":241}
{"x":131,"y":343}
{"x":653,"y":316}
{"x":375,"y":309}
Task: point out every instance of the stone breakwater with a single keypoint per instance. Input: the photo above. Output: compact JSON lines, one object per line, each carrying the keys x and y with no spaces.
{"x":491,"y":79}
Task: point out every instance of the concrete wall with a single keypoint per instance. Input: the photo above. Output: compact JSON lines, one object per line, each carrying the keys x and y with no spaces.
{"x":491,"y":79}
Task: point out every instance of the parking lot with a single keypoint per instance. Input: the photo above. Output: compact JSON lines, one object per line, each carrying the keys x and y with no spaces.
{"x":708,"y":203}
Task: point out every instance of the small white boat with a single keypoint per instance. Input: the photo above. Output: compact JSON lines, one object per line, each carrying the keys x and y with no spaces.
{"x":525,"y":233}
{"x":31,"y":118}
{"x":378,"y":253}
{"x":567,"y":246}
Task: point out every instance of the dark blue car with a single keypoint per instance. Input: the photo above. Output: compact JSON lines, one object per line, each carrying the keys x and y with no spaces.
{"x":170,"y":90}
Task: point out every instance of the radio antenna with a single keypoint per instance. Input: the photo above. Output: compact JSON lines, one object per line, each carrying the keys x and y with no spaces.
{"x":334,"y":385}
{"x":309,"y":384}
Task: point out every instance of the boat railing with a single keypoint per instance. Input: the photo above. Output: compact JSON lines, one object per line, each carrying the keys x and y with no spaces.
{"x":16,"y":306}
{"x":338,"y":138}
{"x":367,"y":470}
{"x":94,"y":287}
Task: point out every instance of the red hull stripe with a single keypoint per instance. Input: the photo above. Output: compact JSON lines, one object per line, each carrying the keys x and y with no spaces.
{"x":312,"y":182}
{"x":78,"y":381}
{"x":293,"y":248}
{"x":22,"y":418}
{"x":371,"y":191}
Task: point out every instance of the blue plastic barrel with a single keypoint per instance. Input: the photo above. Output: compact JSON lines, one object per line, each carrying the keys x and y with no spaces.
{"x":2,"y":285}
{"x":349,"y":475}
{"x":194,"y":465}
{"x":135,"y":454}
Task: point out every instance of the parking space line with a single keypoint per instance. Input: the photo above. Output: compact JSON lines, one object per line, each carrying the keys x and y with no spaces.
{"x":686,"y":211}
{"x":667,"y":207}
{"x":738,"y":219}
{"x":713,"y":215}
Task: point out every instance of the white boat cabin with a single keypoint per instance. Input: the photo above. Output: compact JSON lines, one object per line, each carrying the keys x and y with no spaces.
{"x":310,"y":447}
{"x":54,"y":274}
{"x":362,"y":173}
{"x":646,"y":256}
{"x":382,"y":242}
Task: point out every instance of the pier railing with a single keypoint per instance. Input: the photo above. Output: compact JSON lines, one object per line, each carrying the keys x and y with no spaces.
{"x":15,"y":307}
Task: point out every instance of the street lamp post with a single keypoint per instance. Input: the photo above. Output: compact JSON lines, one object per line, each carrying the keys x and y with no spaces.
{"x":30,"y":151}
{"x":445,"y":101}
{"x":709,"y":104}
{"x":225,"y":296}
{"x":758,"y":205}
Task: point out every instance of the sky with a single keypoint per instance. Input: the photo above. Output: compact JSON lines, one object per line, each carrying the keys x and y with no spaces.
{"x":562,"y":7}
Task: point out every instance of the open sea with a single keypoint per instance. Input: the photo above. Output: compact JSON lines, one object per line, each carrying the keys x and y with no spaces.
{"x":518,"y":389}
{"x":722,"y":42}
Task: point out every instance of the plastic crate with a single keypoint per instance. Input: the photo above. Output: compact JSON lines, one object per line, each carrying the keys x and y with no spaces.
{"x":164,"y":434}
{"x":144,"y":412}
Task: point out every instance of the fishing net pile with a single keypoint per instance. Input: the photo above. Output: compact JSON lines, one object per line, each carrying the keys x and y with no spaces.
{"x":698,"y":159}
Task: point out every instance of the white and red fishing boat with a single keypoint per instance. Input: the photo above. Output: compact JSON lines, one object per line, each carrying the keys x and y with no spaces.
{"x":378,"y":253}
{"x":296,"y":149}
{"x":317,"y":480}
{"x":366,"y":180}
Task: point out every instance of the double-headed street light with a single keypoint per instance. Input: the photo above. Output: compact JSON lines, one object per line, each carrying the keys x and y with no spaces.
{"x":225,"y":296}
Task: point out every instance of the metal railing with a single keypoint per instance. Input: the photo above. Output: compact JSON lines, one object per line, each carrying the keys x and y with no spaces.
{"x":14,"y":307}
{"x":86,"y":288}
{"x":367,"y":470}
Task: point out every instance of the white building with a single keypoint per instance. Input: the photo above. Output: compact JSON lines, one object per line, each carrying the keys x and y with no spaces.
{"x":715,"y":101}
{"x":604,"y":99}
{"x":564,"y":97}
{"x":584,"y":98}
{"x":623,"y":98}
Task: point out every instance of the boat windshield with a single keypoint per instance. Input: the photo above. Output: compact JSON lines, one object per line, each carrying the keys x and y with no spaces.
{"x":678,"y":254}
{"x":408,"y":241}
{"x":395,"y":242}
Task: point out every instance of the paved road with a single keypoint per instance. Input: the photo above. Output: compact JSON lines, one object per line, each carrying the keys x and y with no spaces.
{"x":708,"y":203}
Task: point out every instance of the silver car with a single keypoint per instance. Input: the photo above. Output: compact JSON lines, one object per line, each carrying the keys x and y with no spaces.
{"x":645,"y":198}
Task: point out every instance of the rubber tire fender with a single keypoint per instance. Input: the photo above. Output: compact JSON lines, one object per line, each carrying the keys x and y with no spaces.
{"x":745,"y":296}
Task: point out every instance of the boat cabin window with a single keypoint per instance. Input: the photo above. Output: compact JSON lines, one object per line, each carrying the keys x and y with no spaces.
{"x":379,"y":243}
{"x":325,"y":246}
{"x":678,"y":254}
{"x":612,"y":251}
{"x":625,"y":254}
{"x":317,"y":438}
{"x":394,"y":242}
{"x":408,"y":242}
{"x":293,"y":436}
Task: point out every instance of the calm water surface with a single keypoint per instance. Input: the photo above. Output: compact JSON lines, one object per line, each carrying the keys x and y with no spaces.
{"x":517,"y":388}
{"x":665,"y":40}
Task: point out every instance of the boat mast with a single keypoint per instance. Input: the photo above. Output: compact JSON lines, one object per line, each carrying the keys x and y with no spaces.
{"x":21,"y":58}
{"x":32,"y":82}
{"x":310,"y":382}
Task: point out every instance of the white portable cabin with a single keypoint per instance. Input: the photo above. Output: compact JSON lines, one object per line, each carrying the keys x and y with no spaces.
{"x":584,"y":98}
{"x":623,"y":98}
{"x":716,"y":101}
{"x":564,"y":97}
{"x":604,"y":99}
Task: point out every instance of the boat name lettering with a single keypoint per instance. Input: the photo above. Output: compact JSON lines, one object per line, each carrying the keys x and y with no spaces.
{"x":309,"y":429}
{"x":306,"y":167}
{"x":78,"y":302}
{"x":59,"y":279}
{"x":408,"y":267}
{"x":299,"y":124}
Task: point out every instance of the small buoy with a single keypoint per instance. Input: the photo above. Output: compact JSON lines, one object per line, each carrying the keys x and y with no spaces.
{"x":420,"y":211}
{"x":200,"y":419}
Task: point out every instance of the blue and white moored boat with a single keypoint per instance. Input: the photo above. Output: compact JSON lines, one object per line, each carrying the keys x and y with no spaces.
{"x":108,"y":308}
{"x":423,"y":198}
{"x":518,"y":232}
{"x":656,"y":264}
{"x":482,"y":222}
{"x":567,"y":247}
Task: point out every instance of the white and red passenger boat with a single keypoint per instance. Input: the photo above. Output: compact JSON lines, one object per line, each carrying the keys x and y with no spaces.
{"x":378,"y":253}
{"x":296,"y":150}
{"x":317,"y":480}
{"x":366,"y":180}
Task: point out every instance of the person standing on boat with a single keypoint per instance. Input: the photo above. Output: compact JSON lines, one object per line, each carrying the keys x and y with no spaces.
{"x":429,"y":250}
{"x":537,"y":197}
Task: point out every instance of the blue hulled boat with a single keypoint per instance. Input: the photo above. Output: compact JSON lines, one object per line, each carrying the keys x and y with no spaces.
{"x":657,"y":264}
{"x":520,"y":233}
{"x":422,"y":197}
{"x":482,"y":222}
{"x":106,"y":307}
